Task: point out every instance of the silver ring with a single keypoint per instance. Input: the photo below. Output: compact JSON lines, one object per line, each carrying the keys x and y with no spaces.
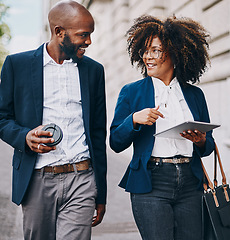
{"x":39,"y":146}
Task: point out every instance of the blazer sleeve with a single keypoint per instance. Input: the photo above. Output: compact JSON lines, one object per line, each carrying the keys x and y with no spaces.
{"x":204,"y":117}
{"x":10,"y":131}
{"x":122,"y":132}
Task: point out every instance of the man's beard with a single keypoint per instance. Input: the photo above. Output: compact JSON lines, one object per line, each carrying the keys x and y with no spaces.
{"x":69,"y":49}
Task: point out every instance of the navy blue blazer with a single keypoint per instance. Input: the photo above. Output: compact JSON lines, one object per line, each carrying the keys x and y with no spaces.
{"x":135,"y":97}
{"x":21,"y":109}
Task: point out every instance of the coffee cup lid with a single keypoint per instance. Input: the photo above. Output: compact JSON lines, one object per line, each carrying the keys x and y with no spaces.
{"x":56,"y":131}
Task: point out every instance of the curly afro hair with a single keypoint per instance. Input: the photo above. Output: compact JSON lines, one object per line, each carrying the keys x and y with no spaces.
{"x":183,"y":39}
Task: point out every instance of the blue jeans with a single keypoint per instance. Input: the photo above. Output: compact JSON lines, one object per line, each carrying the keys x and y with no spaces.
{"x":172,"y":211}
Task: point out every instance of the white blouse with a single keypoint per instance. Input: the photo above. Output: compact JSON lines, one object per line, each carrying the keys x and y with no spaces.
{"x":173,"y":106}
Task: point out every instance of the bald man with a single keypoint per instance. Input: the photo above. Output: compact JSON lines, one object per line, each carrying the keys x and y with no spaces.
{"x":58,"y":186}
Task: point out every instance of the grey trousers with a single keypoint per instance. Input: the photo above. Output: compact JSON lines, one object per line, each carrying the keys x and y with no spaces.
{"x":59,"y":207}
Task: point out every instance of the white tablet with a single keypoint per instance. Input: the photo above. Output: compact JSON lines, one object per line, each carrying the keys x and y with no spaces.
{"x":174,"y":132}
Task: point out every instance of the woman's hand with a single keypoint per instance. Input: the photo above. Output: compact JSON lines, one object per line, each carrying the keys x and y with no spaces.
{"x":147,"y":116}
{"x":195,"y":136}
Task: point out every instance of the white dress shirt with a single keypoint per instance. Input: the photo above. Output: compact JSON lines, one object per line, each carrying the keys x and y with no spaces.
{"x":63,"y":106}
{"x":175,"y":110}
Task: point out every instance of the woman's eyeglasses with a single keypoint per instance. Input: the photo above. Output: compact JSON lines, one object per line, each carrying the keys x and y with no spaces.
{"x":153,"y":53}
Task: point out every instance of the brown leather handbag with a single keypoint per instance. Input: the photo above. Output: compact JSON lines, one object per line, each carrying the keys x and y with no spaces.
{"x":216,"y":204}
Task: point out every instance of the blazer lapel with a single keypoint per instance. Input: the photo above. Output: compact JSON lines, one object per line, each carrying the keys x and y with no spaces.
{"x":84,"y":86}
{"x":37,"y":83}
{"x":148,"y":96}
{"x":191,"y":101}
{"x":150,"y":92}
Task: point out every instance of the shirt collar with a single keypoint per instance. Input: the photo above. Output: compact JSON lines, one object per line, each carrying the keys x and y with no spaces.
{"x":47,"y":59}
{"x":160,"y":87}
{"x":160,"y":84}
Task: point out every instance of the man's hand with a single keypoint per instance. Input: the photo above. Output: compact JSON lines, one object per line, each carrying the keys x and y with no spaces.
{"x":36,"y":138}
{"x":100,"y":211}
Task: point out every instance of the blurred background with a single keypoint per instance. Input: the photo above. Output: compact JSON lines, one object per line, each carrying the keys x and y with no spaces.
{"x":24,"y":26}
{"x":114,"y":17}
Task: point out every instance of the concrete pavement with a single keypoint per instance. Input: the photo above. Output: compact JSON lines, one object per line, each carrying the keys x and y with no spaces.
{"x":10,"y":214}
{"x":118,"y":223}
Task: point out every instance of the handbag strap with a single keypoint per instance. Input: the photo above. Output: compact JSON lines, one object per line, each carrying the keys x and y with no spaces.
{"x":217,"y":156}
{"x":215,"y":168}
{"x":210,"y":185}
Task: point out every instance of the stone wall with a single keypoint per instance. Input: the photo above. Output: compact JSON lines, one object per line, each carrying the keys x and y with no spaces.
{"x":114,"y":17}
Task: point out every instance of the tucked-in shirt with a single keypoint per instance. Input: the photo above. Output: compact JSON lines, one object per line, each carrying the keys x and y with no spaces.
{"x":173,"y":106}
{"x":62,"y":105}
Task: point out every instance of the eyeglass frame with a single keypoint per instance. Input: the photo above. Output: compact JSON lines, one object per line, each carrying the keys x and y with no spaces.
{"x":151,"y":52}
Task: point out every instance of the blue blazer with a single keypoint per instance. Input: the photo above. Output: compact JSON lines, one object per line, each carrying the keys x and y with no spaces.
{"x":135,"y":97}
{"x":21,"y":109}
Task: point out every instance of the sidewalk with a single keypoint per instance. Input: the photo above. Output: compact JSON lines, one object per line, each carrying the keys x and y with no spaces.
{"x":118,"y":223}
{"x":10,"y":214}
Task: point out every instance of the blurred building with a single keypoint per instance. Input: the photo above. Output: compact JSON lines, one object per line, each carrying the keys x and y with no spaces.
{"x":114,"y":17}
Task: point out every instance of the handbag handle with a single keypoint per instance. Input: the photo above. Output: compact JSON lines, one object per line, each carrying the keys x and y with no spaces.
{"x":217,"y":156}
{"x":211,"y":186}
